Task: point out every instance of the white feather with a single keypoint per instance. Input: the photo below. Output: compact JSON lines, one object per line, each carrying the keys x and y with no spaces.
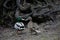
{"x":38,"y":31}
{"x":20,"y":24}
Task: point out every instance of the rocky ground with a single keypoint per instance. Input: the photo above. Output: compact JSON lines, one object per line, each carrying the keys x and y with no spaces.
{"x":49,"y":31}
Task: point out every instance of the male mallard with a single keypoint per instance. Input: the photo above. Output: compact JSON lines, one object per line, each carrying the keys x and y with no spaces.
{"x":19,"y":25}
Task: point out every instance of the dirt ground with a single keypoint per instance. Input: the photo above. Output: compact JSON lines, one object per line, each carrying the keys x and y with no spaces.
{"x":48,"y":32}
